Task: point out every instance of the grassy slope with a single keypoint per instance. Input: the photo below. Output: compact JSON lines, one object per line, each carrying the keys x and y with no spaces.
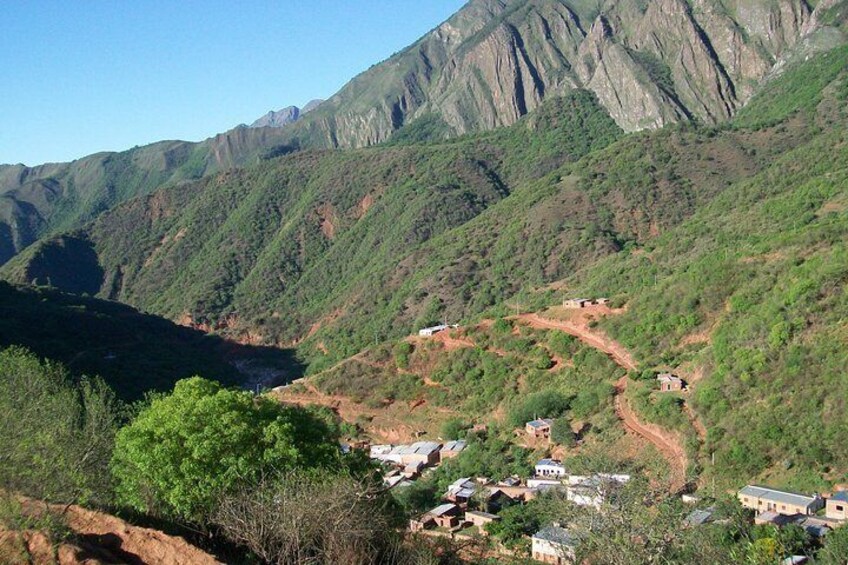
{"x":752,"y":288}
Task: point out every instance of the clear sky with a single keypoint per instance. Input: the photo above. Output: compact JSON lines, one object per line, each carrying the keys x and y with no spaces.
{"x":83,"y":76}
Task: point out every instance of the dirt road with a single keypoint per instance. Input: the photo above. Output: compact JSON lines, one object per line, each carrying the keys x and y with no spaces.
{"x":668,"y":444}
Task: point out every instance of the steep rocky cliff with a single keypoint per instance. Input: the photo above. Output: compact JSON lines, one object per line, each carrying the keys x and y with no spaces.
{"x":650,"y":63}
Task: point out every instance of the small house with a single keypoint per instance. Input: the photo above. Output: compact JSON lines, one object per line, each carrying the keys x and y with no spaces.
{"x":670,"y":383}
{"x":549,"y":468}
{"x":765,"y":499}
{"x":413,"y":469}
{"x":423,"y":451}
{"x":496,"y":499}
{"x":539,"y":428}
{"x":446,"y":515}
{"x":452,"y":449}
{"x":422,"y":523}
{"x":576,"y":303}
{"x":593,"y":491}
{"x":380,"y":452}
{"x":461,"y":491}
{"x":553,"y":544}
{"x":602,"y":301}
{"x":836,"y":507}
{"x":480,"y":519}
{"x":432,"y":330}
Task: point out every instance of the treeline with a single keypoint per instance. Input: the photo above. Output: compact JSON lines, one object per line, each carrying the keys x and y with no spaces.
{"x":259,"y":479}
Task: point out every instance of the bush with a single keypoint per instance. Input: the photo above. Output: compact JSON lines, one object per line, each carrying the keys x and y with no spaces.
{"x":402,"y":352}
{"x":454,"y":428}
{"x":56,"y":437}
{"x":543,"y":404}
{"x":187,"y":449}
{"x":311,"y":518}
{"x":562,"y":434}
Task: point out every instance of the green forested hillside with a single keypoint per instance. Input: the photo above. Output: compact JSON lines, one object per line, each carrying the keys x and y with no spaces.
{"x":727,"y":243}
{"x":277,"y":247}
{"x":753,"y":289}
{"x":55,"y":197}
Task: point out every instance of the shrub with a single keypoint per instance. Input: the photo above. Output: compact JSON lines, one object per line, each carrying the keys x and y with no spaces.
{"x":187,"y":449}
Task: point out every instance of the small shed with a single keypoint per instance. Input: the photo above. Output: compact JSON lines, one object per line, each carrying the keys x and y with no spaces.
{"x":446,"y":515}
{"x":670,"y":383}
{"x":576,"y":303}
{"x":539,"y":428}
{"x":480,"y":519}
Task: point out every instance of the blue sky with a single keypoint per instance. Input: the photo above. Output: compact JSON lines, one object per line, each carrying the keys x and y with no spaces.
{"x":93,"y":75}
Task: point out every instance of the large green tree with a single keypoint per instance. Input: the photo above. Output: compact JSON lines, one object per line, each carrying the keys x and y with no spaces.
{"x":187,"y":449}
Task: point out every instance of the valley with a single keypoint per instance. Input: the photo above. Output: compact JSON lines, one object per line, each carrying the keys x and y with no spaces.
{"x":353,"y":333}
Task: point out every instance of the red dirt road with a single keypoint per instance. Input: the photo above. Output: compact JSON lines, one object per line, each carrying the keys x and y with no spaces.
{"x":667,"y":444}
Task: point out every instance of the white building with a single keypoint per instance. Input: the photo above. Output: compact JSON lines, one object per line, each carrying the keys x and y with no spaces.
{"x":592,"y":491}
{"x":432,"y":330}
{"x":553,"y":544}
{"x":549,"y":468}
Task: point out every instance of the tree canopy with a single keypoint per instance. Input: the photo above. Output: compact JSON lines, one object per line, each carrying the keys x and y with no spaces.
{"x":185,"y":450}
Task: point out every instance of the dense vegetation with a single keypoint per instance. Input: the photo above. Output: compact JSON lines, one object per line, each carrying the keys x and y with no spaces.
{"x":752,"y":289}
{"x":198,"y":456}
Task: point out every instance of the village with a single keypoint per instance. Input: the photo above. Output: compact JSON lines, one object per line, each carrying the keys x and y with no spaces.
{"x":470,"y":504}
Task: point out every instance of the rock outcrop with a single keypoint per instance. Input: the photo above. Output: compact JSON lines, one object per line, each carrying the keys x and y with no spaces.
{"x":649,"y":63}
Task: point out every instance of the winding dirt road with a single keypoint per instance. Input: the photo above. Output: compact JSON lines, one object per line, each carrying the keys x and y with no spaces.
{"x":666,"y":443}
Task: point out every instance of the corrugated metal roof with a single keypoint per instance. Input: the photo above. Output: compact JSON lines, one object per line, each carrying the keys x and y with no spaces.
{"x":442,"y":509}
{"x":698,"y":517}
{"x":555,"y":534}
{"x":841,"y":496}
{"x":549,"y":463}
{"x":482,"y":514}
{"x":455,"y":445}
{"x":540,"y":423}
{"x":777,"y":495}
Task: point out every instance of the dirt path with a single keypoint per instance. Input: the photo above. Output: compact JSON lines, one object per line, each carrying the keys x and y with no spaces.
{"x":585,"y":334}
{"x":99,"y":538}
{"x":667,"y":444}
{"x":696,"y":422}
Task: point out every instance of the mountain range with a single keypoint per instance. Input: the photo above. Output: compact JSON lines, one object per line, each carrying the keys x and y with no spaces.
{"x":284,"y":117}
{"x":684,"y":158}
{"x":648,"y":64}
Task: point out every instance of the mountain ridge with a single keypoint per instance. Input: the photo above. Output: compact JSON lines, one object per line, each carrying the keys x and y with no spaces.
{"x":649,"y":64}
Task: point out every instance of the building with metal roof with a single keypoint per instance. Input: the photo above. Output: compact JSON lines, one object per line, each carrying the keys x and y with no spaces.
{"x":700,"y":517}
{"x":836,"y":507}
{"x":553,"y":544}
{"x":766,"y":499}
